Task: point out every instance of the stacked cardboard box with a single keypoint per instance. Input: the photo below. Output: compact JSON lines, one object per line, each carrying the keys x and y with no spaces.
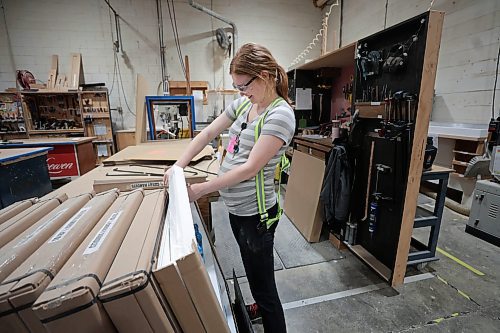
{"x":16,"y":208}
{"x":158,"y":281}
{"x":70,"y":300}
{"x":180,"y":270}
{"x":11,"y":228}
{"x":122,"y":262}
{"x":130,"y":294}
{"x":22,"y":287}
{"x":16,"y":251}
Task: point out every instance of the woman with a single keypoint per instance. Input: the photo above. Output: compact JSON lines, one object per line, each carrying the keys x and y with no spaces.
{"x":263,"y":85}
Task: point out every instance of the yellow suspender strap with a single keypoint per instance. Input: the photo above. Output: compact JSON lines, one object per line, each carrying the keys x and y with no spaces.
{"x":259,"y":178}
{"x":242,"y":107}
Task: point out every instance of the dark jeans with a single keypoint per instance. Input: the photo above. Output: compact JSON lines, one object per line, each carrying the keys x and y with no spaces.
{"x":257,"y":254}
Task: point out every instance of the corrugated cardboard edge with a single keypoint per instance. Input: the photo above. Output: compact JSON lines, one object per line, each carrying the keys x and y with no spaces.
{"x":136,"y":289}
{"x":200,"y":289}
{"x":9,"y":320}
{"x":178,"y":297}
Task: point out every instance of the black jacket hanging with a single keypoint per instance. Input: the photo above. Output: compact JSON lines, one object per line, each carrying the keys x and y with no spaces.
{"x":336,"y":189}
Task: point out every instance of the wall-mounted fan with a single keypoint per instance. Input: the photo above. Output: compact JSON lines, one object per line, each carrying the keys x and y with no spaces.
{"x":223,"y":39}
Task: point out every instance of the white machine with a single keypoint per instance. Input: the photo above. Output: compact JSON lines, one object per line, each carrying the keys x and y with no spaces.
{"x":484,"y":219}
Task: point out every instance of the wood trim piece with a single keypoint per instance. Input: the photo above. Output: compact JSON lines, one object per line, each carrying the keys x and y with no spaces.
{"x":140,"y":109}
{"x":370,"y":260}
{"x":433,"y":41}
{"x":339,"y":58}
{"x":457,"y":137}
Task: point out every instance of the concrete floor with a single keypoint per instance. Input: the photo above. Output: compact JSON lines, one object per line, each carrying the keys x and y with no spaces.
{"x":344,"y":295}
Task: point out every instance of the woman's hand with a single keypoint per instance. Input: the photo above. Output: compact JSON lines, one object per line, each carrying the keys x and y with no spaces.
{"x":196,"y":191}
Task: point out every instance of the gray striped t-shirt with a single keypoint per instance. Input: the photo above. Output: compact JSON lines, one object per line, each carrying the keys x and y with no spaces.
{"x":241,"y":199}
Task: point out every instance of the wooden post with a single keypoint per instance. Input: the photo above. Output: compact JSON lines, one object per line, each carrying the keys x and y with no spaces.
{"x":141,"y":90}
{"x":435,"y":26}
{"x":188,"y":93}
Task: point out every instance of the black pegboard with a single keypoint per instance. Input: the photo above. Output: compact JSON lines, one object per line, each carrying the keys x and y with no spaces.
{"x":392,"y":152}
{"x":409,"y":77}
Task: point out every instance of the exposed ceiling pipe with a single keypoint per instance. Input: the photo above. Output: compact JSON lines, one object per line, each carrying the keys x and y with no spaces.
{"x":163,"y":63}
{"x":223,"y":19}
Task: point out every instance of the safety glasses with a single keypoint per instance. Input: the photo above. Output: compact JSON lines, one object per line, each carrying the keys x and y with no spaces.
{"x":244,"y":87}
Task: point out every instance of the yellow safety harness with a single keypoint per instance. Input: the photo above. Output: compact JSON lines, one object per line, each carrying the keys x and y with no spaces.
{"x":259,"y":178}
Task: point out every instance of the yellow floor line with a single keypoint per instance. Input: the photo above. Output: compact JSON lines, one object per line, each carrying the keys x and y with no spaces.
{"x":460,"y":262}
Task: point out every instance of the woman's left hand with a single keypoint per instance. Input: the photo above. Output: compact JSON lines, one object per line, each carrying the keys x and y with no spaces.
{"x":195,"y":191}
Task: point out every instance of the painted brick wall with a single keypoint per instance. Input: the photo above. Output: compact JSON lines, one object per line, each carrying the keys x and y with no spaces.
{"x":38,"y":29}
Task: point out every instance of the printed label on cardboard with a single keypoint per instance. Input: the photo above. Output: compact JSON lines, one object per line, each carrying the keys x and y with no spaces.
{"x":69,"y":225}
{"x":27,"y":238}
{"x":96,"y":243}
{"x":146,"y":184}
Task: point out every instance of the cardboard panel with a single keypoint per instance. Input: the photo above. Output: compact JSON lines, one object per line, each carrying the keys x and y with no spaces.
{"x":23,"y":286}
{"x":302,"y":204}
{"x":178,"y":297}
{"x":181,"y":273}
{"x":128,"y":292}
{"x":16,"y":225}
{"x":16,"y":208}
{"x":71,"y":298}
{"x":200,"y":289}
{"x":21,"y":247}
{"x":161,"y":151}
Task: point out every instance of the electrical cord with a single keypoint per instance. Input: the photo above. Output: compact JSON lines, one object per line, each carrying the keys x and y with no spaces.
{"x":116,"y":49}
{"x":121,"y":86}
{"x":430,"y":6}
{"x":9,"y":46}
{"x":173,"y":23}
{"x":495,"y":87}
{"x":114,"y":59}
{"x":324,"y":26}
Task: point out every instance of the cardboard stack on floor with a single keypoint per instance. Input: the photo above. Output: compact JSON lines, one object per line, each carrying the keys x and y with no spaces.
{"x":23,"y":286}
{"x":121,"y":262}
{"x":20,"y":248}
{"x":70,"y":300}
{"x":180,"y":271}
{"x":129,"y":294}
{"x":16,"y":208}
{"x":17,"y":224}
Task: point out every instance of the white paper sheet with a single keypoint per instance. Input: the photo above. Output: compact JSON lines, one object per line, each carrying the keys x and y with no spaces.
{"x":100,"y":129}
{"x":303,"y":99}
{"x":102,"y":150}
{"x":178,"y":233}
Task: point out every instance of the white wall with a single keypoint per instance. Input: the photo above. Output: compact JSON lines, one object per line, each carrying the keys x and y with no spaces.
{"x":38,"y":29}
{"x":467,"y":58}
